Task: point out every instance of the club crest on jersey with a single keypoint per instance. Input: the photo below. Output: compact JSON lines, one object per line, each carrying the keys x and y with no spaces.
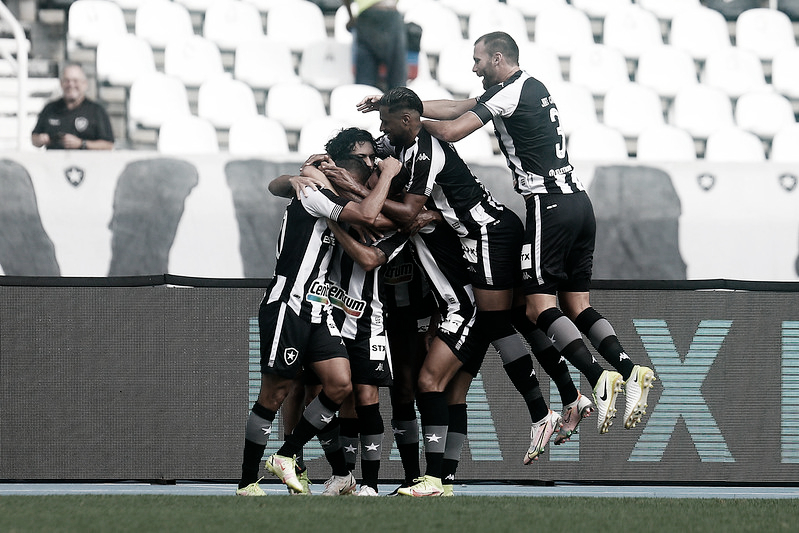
{"x":290,"y":356}
{"x":399,"y":274}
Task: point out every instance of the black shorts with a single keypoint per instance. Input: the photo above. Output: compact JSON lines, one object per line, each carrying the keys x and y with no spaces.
{"x":440,"y":255}
{"x":370,"y":361}
{"x":493,"y":254}
{"x":558,"y":250}
{"x":288,"y":343}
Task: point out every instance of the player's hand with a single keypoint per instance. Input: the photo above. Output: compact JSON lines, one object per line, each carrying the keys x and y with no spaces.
{"x":314,"y":161}
{"x":424,"y":218}
{"x":389,"y":166}
{"x":368,"y":104}
{"x":341,"y":178}
{"x":316,"y":182}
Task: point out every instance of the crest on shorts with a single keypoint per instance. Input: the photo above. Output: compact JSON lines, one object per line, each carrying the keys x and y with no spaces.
{"x":290,"y":356}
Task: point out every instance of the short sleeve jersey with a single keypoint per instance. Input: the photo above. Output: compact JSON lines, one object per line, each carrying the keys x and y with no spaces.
{"x":527,"y":125}
{"x":438,"y":172}
{"x":88,"y":121}
{"x":358,"y":296}
{"x":304,"y":251}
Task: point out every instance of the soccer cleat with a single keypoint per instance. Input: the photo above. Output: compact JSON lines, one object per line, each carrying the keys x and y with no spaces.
{"x":285,"y":469}
{"x":366,"y":490}
{"x":253,"y":489}
{"x":636,"y":389}
{"x":605,"y":393}
{"x":395,"y":492}
{"x":424,"y":486}
{"x":305,"y":482}
{"x":339,"y":485}
{"x":572,"y":414}
{"x":448,"y":491}
{"x":540,"y":434}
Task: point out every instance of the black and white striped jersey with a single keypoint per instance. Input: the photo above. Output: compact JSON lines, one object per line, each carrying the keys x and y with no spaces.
{"x":357,"y":296}
{"x":438,"y":172}
{"x":527,"y":124}
{"x":304,"y":251}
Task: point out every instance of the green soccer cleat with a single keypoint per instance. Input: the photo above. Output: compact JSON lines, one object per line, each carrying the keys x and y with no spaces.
{"x":424,"y":486}
{"x":448,"y":492}
{"x":253,"y":489}
{"x":305,"y":482}
{"x":285,"y":469}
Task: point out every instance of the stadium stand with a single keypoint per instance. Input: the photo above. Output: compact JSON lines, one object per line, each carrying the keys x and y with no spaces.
{"x":742,"y":49}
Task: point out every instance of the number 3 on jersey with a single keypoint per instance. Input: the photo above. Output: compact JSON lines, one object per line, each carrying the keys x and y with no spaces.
{"x":560,"y":148}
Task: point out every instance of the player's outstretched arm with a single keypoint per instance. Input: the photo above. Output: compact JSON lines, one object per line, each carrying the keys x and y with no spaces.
{"x":453,"y":130}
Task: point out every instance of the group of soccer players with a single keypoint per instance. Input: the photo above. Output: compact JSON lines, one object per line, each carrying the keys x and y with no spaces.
{"x":375,"y":229}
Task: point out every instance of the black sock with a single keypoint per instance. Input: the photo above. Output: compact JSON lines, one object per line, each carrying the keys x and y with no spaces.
{"x":435,"y":418}
{"x":569,"y":342}
{"x":349,"y":440}
{"x":456,"y":436}
{"x":406,"y":436}
{"x":603,"y":337}
{"x":259,"y":425}
{"x":522,"y":374}
{"x":371,"y":429}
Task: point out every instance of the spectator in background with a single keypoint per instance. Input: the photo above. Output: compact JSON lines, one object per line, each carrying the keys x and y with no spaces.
{"x":379,"y":38}
{"x":73,"y":122}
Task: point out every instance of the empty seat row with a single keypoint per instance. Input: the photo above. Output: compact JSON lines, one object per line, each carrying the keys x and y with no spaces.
{"x":226,"y":23}
{"x":667,"y":143}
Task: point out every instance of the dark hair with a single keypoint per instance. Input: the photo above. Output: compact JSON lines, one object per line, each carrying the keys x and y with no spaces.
{"x":354,"y":164}
{"x":499,"y":41}
{"x":401,"y":98}
{"x":344,"y":142}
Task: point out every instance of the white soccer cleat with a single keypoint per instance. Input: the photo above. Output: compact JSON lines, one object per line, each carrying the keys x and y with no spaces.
{"x":339,"y":485}
{"x":636,"y":390}
{"x":605,"y":393}
{"x":540,"y":434}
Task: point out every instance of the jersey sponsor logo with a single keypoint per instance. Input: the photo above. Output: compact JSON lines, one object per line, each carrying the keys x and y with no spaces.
{"x":318,"y":293}
{"x":527,"y":256}
{"x":377,"y":350}
{"x":399,"y":274}
{"x":329,"y":239}
{"x":338,"y":297}
{"x":290,"y":356}
{"x":560,"y":171}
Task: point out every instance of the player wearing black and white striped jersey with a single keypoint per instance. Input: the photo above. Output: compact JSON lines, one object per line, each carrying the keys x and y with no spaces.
{"x":560,"y":233}
{"x":489,"y":239}
{"x":357,"y":297}
{"x":297,"y":330}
